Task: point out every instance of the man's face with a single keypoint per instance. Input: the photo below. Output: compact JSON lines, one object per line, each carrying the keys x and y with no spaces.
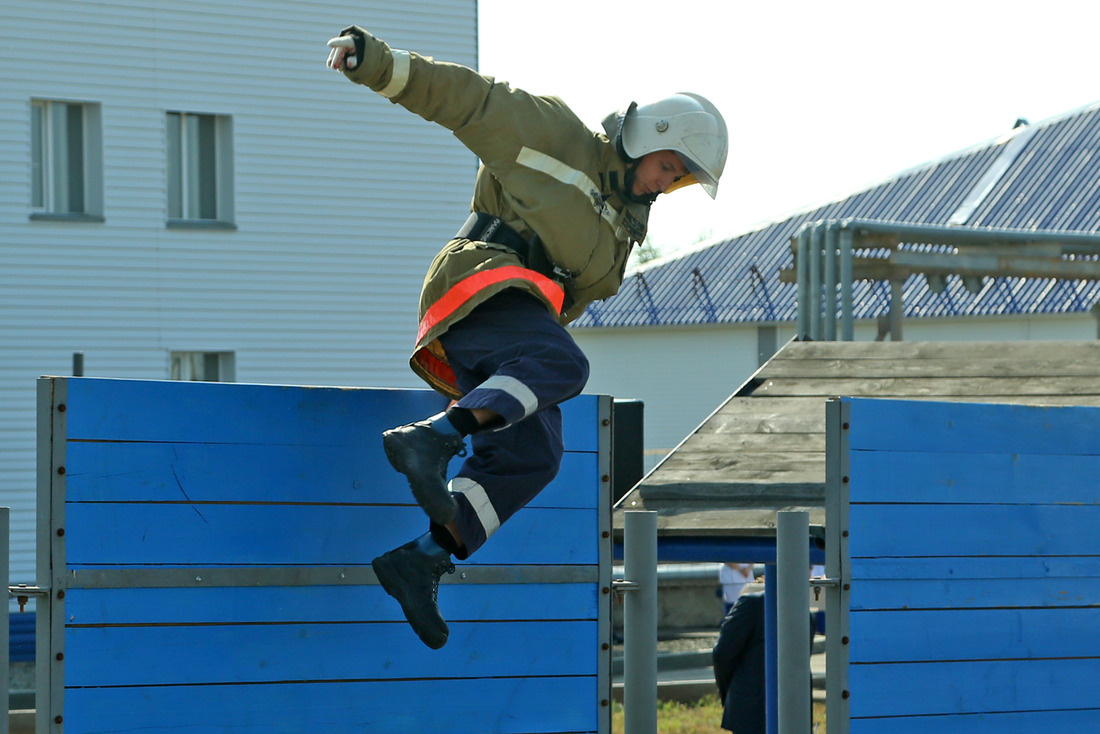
{"x":657,"y":171}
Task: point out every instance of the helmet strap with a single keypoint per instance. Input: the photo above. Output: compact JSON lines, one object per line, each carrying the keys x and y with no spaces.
{"x":626,"y":191}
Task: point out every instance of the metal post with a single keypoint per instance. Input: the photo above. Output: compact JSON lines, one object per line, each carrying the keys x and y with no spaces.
{"x":897,"y":309}
{"x":803,"y":263}
{"x":640,"y":622}
{"x":847,"y":320}
{"x":771,"y":653}
{"x":830,"y":281}
{"x":5,"y":627}
{"x":817,"y":248}
{"x":78,"y":364}
{"x":793,"y":610}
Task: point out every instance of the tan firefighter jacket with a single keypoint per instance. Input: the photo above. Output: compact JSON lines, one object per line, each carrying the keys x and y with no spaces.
{"x":542,"y":172}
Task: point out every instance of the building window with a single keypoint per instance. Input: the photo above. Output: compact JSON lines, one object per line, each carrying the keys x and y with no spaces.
{"x":200,"y":169}
{"x":203,"y":366}
{"x":66,"y":160}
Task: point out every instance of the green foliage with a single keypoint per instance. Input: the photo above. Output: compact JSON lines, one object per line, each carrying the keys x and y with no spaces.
{"x":702,"y":717}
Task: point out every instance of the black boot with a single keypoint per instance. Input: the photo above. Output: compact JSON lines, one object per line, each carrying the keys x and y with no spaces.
{"x":410,"y":574}
{"x":422,"y":453}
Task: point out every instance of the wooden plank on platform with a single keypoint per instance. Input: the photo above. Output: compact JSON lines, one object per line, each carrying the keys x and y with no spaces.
{"x":1062,"y":351}
{"x":1034,"y":364}
{"x":941,"y":387}
{"x":767,"y":415}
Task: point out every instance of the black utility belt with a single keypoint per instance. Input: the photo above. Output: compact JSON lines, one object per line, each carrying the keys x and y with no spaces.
{"x":484,"y":227}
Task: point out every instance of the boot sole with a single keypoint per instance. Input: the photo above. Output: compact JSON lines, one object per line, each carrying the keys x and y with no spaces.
{"x":440,"y":509}
{"x":394,"y":585}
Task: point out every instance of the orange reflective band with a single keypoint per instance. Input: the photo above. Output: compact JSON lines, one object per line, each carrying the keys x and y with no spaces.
{"x":437,"y":368}
{"x":468,"y":287}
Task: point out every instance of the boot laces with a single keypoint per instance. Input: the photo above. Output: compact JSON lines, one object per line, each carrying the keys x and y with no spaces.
{"x":438,"y":570}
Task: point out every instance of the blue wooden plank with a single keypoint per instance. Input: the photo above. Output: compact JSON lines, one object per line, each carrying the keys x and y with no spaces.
{"x":180,"y":412}
{"x":501,"y":705}
{"x":922,"y":583}
{"x":271,"y":653}
{"x":919,"y":689}
{"x":946,"y":477}
{"x":460,"y":601}
{"x":973,"y":593}
{"x":1027,"y":722}
{"x":184,"y":534}
{"x":580,"y":423}
{"x":966,"y":428}
{"x":199,"y":472}
{"x":973,"y":634}
{"x":176,"y":411}
{"x":972,"y":530}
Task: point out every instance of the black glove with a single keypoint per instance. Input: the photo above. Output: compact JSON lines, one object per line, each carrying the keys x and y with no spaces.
{"x":347,"y":49}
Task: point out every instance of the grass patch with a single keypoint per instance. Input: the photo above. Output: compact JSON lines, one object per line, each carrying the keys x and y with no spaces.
{"x":702,"y":717}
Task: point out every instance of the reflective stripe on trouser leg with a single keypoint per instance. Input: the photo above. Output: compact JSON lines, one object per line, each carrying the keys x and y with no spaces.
{"x":514,"y":389}
{"x":505,"y":470}
{"x":479,"y":502}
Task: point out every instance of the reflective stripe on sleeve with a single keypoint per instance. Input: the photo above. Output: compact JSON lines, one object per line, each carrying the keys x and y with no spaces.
{"x":479,"y":501}
{"x":400,"y":76}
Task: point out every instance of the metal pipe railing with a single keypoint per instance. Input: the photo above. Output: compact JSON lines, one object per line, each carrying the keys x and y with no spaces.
{"x":640,"y":622}
{"x":825,"y":263}
{"x":792,"y":621}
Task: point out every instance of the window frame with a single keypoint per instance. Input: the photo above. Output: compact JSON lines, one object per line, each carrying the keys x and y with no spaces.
{"x":66,"y":184}
{"x":198,"y":158}
{"x":185,"y":364}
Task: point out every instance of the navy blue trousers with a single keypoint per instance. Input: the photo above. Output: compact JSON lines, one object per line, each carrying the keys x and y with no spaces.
{"x":511,"y":356}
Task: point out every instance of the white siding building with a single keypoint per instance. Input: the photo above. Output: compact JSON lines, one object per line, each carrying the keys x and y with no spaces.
{"x":186,"y":189}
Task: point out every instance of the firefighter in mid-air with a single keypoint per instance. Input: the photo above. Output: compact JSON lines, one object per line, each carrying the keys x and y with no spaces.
{"x":556,"y":210}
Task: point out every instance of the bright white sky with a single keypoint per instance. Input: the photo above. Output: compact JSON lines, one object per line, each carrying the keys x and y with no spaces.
{"x":821,"y":97}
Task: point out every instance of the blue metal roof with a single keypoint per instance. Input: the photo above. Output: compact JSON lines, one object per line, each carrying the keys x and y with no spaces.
{"x":1051,"y":181}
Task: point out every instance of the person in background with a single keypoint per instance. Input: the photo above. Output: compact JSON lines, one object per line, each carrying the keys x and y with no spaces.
{"x":733,"y":578}
{"x":738,"y":658}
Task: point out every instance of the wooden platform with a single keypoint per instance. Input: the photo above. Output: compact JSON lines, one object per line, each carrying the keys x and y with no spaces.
{"x":763,"y":450}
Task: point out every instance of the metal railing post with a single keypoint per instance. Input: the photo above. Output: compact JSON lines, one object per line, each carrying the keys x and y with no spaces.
{"x":5,"y":617}
{"x":793,"y":612}
{"x":640,"y":622}
{"x":803,"y":264}
{"x":832,"y":265}
{"x":847,"y":319}
{"x":817,"y":252}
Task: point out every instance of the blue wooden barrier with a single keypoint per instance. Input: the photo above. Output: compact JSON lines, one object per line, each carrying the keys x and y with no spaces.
{"x":968,"y":534}
{"x":207,"y":550}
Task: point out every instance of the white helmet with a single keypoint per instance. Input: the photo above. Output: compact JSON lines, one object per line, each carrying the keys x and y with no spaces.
{"x":685,"y":123}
